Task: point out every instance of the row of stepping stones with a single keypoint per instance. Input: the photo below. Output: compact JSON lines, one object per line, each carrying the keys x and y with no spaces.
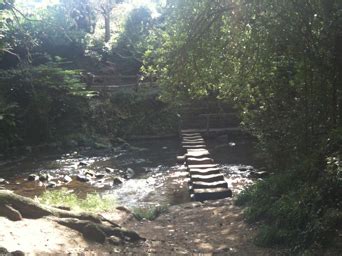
{"x":206,"y":180}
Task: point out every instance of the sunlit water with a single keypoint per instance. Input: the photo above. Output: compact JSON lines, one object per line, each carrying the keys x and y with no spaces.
{"x":156,"y":178}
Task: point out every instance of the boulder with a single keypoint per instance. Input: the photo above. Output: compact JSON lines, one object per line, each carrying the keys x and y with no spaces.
{"x":33,"y":177}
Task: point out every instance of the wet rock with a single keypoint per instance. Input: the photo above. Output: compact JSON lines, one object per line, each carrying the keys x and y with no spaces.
{"x":90,"y":173}
{"x":129,"y":173}
{"x":45,"y":177}
{"x":82,"y":178}
{"x":51,"y":184}
{"x":67,"y":179}
{"x":109,"y":170}
{"x":99,"y":175}
{"x":2,"y":180}
{"x":118,"y":181}
{"x":243,"y":168}
{"x":33,"y":177}
{"x":82,"y":163}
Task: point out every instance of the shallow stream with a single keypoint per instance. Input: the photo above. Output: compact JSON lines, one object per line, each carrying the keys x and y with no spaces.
{"x":137,"y":173}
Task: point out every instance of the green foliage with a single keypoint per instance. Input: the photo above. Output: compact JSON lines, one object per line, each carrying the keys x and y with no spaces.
{"x":91,"y":203}
{"x":38,"y":104}
{"x":149,"y":213}
{"x":295,"y":210}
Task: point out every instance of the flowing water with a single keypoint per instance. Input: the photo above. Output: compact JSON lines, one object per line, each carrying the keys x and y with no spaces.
{"x":147,"y":169}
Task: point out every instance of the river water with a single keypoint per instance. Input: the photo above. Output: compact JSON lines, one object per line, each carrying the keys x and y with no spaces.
{"x":147,"y":168}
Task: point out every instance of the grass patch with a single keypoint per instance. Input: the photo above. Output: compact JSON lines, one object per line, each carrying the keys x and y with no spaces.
{"x":149,"y":213}
{"x":93,"y":202}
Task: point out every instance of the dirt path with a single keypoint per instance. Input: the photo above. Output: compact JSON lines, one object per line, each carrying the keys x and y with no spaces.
{"x":213,"y":228}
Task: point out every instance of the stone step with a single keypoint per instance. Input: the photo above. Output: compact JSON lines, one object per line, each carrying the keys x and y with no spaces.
{"x":207,"y":171}
{"x":203,"y":160}
{"x":192,"y":146}
{"x":190,"y":150}
{"x":193,"y":137}
{"x":193,"y":142}
{"x":210,"y":194}
{"x":207,"y":178}
{"x":202,"y":166}
{"x":202,"y":184}
{"x":197,"y":154}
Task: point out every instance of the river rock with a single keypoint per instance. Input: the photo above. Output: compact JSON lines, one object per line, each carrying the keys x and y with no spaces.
{"x":90,"y":173}
{"x":118,"y":181}
{"x":45,"y":177}
{"x":129,"y":173}
{"x":99,"y":175}
{"x":109,"y":170}
{"x":67,"y":179}
{"x":82,"y":178}
{"x":82,"y":163}
{"x":33,"y":177}
{"x":51,"y":184}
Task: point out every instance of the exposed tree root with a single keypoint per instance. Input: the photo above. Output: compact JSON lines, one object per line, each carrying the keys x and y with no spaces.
{"x":15,"y":207}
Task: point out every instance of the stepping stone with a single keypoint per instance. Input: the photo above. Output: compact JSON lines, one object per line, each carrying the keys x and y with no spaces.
{"x":193,"y":142}
{"x":207,"y":178}
{"x":210,"y":194}
{"x":207,"y":171}
{"x":202,"y":184}
{"x":194,"y":137}
{"x":202,"y":166}
{"x":203,"y":160}
{"x":193,"y":146}
{"x":196,"y":154}
{"x":190,"y":150}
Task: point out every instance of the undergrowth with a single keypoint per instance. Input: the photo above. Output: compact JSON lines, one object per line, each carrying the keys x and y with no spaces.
{"x":91,"y":203}
{"x":298,"y":209}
